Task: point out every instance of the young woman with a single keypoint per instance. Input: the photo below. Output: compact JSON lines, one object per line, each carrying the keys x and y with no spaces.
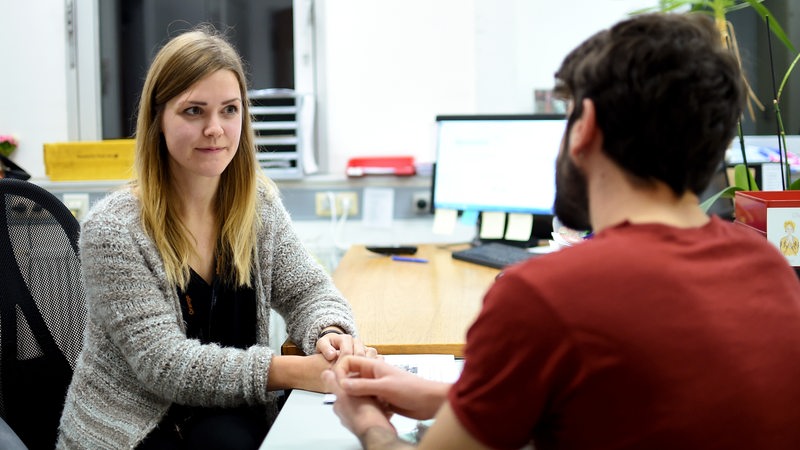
{"x":182,"y":268}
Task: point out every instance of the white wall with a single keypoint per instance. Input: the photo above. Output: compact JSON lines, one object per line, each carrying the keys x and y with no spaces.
{"x":543,"y":36}
{"x":385,"y":68}
{"x":33,"y":78}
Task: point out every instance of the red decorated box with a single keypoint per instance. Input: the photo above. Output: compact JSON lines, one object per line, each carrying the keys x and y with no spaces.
{"x":774,"y":214}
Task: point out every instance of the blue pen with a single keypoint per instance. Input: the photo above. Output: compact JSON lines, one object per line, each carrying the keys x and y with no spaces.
{"x":407,"y":259}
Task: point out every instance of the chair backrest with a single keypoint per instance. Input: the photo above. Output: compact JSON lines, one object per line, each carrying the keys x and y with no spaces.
{"x":42,"y":309}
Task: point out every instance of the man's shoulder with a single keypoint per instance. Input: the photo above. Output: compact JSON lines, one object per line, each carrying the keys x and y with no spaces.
{"x":588,"y":252}
{"x":737,"y":230}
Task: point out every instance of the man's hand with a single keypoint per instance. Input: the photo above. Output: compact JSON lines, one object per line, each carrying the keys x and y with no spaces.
{"x":400,"y":391}
{"x":381,"y":389}
{"x":358,"y":414}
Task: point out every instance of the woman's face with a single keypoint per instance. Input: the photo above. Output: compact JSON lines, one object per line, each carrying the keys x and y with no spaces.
{"x":202,"y":127}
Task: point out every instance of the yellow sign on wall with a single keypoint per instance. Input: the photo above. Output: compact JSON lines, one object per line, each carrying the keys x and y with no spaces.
{"x":89,"y":160}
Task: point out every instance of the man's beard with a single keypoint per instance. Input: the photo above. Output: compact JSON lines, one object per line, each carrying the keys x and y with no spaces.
{"x":572,"y":199}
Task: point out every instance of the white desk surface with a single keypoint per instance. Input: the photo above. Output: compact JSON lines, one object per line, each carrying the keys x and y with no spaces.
{"x":306,"y":422}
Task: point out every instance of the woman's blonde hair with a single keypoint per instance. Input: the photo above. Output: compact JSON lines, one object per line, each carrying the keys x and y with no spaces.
{"x":183,"y":61}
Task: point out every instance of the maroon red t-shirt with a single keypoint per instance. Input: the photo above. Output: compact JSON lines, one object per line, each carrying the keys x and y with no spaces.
{"x":646,"y":337}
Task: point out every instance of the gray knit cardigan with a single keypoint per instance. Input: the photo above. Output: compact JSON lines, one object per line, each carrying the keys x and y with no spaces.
{"x":136,"y":359}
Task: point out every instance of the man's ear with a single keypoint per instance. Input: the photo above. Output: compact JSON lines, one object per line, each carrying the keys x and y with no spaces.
{"x":584,"y":131}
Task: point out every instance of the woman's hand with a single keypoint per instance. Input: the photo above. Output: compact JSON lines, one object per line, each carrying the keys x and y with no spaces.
{"x":337,"y":344}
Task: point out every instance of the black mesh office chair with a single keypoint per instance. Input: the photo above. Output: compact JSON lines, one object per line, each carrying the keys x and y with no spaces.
{"x":42,"y":309}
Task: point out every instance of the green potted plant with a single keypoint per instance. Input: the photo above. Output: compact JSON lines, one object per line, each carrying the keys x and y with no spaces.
{"x":775,"y":214}
{"x":718,"y":9}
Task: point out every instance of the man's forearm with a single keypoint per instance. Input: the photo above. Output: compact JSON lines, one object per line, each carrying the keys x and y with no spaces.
{"x":380,"y":438}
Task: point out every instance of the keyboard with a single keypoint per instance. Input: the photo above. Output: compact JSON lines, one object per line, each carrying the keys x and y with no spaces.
{"x":493,"y":254}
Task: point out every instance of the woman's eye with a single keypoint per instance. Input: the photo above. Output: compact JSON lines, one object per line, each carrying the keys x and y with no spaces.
{"x":231,"y":109}
{"x":192,"y":110}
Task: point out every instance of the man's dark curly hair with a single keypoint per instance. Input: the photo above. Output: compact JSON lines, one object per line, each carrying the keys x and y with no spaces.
{"x":667,"y":95}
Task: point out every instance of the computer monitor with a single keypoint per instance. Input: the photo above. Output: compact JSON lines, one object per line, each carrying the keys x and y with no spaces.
{"x":499,"y":163}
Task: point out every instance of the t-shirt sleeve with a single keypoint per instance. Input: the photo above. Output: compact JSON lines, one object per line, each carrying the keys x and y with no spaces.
{"x":518,"y":361}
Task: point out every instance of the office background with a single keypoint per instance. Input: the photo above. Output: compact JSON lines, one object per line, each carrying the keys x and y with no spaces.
{"x":380,"y":71}
{"x":383,"y":69}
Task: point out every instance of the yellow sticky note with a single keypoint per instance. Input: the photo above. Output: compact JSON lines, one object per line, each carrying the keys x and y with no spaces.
{"x":493,"y":225}
{"x":444,"y":221}
{"x":519,"y":227}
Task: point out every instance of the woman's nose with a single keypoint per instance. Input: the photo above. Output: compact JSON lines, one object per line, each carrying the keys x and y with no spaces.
{"x":214,"y":128}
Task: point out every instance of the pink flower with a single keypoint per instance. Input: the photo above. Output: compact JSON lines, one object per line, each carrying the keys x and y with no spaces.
{"x":8,"y":139}
{"x":8,"y":144}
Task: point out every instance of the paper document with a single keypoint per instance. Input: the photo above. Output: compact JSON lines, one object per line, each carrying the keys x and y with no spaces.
{"x":431,"y":367}
{"x":771,"y":177}
{"x":378,"y":207}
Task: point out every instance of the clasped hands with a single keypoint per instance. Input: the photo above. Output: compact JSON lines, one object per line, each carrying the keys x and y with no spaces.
{"x":303,"y":372}
{"x":369,"y":390}
{"x":330,"y":349}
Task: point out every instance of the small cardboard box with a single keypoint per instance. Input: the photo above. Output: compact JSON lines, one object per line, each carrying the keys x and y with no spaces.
{"x":774,"y":214}
{"x":89,"y":160}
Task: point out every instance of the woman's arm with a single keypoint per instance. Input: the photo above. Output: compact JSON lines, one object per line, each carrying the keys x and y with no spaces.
{"x":298,"y":372}
{"x":301,"y":290}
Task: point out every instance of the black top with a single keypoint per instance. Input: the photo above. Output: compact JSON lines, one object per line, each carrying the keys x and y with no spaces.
{"x":218,"y":312}
{"x":225,"y":315}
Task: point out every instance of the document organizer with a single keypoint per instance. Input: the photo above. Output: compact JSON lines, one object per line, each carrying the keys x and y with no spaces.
{"x":381,"y":165}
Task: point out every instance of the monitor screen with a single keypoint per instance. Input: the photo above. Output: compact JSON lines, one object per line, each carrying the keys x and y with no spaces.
{"x":502,"y":163}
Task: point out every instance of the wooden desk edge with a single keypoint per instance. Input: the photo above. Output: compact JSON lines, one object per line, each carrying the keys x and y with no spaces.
{"x":457,"y":350}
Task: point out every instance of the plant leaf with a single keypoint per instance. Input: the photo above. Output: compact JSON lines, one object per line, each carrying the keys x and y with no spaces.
{"x":774,"y":26}
{"x":786,"y":76}
{"x":728,"y":192}
{"x":738,"y":6}
{"x":666,"y":6}
{"x":741,"y":174}
{"x":795,"y":186}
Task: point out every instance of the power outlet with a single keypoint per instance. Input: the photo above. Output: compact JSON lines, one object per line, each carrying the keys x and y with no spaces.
{"x":421,"y":202}
{"x":348,"y":199}
{"x":78,"y":204}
